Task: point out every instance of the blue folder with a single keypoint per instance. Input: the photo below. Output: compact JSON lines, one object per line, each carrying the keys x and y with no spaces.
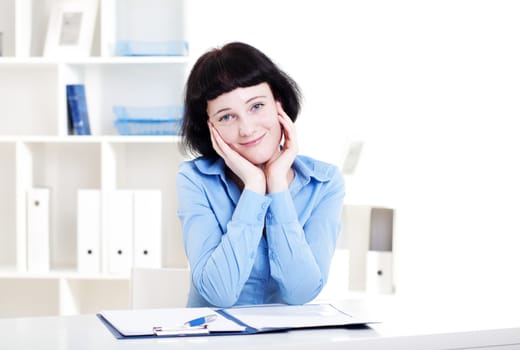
{"x":243,"y":320}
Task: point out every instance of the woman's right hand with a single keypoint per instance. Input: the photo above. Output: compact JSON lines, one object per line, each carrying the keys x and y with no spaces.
{"x":251,"y":175}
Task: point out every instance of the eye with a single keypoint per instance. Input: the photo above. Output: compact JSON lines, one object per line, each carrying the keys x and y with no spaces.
{"x":257,"y":106}
{"x":225,"y":118}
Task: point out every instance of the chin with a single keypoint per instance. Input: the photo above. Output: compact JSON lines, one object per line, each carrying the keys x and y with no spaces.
{"x":260,"y":157}
{"x":257,"y":160}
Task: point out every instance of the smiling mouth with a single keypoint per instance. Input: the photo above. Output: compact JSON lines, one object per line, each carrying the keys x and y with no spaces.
{"x":252,"y":142}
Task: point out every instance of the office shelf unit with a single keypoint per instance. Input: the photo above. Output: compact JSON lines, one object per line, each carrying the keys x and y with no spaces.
{"x":37,"y":150}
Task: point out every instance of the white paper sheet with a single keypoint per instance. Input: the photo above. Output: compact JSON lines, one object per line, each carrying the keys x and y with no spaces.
{"x":290,"y":316}
{"x":143,"y":321}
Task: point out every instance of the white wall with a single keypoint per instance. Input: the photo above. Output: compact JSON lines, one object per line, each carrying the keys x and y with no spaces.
{"x":433,"y":88}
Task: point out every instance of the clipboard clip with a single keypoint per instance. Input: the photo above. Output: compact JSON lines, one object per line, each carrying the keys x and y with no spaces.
{"x":161,"y":331}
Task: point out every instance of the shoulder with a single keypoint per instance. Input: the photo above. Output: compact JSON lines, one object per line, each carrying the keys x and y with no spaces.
{"x":201,"y":166}
{"x":317,"y":169}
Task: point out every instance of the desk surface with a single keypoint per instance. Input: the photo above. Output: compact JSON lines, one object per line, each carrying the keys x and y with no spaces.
{"x":404,"y":325}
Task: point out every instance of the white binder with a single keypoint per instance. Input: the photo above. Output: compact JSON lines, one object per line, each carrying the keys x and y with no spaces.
{"x":147,"y":228}
{"x":369,"y":233}
{"x":380,"y":277}
{"x":380,"y":252}
{"x":89,"y":231}
{"x":119,"y":230}
{"x":38,"y":227}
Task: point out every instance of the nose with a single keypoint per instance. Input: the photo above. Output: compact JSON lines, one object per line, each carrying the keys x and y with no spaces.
{"x":246,"y":127}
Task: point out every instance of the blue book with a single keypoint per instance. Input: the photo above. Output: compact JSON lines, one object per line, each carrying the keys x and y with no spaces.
{"x":77,"y":110}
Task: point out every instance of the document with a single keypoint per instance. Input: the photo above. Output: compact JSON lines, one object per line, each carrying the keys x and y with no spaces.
{"x":277,"y":316}
{"x":147,"y":321}
{"x":229,"y":321}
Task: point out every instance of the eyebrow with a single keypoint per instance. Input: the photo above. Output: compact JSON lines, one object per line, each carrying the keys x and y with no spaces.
{"x":248,"y":101}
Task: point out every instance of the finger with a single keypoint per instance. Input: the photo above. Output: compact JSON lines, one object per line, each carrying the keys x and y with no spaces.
{"x":289,"y":128}
{"x":289,"y":132}
{"x":283,"y":117}
{"x":222,"y":148}
{"x":281,"y":111}
{"x":212,"y":134}
{"x":216,"y":140}
{"x":286,"y":122}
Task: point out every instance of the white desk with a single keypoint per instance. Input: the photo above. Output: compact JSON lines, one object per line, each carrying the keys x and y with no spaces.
{"x":405,"y":325}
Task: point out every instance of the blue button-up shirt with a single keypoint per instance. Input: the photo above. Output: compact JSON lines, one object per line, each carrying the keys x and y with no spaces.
{"x":249,"y":248}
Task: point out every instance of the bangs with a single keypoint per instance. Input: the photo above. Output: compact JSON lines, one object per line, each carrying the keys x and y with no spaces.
{"x":229,"y":72}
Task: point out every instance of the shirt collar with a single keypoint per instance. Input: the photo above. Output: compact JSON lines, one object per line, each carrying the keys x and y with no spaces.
{"x":304,"y":167}
{"x":308,"y":167}
{"x":210,"y":166}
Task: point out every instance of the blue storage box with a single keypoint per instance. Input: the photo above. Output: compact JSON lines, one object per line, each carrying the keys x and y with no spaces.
{"x":163,"y":120}
{"x":148,"y":126}
{"x":151,"y":112}
{"x":152,"y":48}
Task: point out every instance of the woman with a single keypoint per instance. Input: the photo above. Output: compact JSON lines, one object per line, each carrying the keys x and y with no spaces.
{"x":259,"y":221}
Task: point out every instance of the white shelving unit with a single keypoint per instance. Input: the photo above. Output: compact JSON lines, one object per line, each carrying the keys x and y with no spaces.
{"x":37,"y":151}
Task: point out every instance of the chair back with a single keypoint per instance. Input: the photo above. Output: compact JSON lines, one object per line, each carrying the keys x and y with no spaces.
{"x":159,"y":287}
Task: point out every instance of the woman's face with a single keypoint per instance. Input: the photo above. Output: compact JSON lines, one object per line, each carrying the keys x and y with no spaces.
{"x":247,"y":120}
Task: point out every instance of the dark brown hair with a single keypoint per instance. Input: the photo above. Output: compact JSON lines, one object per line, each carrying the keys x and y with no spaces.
{"x":222,"y":70}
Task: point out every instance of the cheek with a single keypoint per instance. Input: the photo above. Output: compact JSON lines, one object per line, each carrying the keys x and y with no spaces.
{"x":273,"y":124}
{"x":227,"y":134}
{"x":277,"y":131}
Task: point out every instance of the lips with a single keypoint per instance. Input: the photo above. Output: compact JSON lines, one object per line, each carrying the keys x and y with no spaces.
{"x":252,"y":142}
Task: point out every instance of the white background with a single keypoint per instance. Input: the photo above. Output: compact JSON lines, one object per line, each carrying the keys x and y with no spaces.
{"x":433,"y":89}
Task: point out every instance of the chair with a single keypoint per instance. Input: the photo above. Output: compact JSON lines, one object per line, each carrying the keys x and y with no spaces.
{"x":159,"y":287}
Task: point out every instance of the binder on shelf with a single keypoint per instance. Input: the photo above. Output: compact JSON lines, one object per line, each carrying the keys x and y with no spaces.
{"x":79,"y":122}
{"x":369,"y":232}
{"x":119,"y":229}
{"x":89,"y":231}
{"x":380,"y":257}
{"x":147,"y":228}
{"x":242,"y":320}
{"x":38,"y":227}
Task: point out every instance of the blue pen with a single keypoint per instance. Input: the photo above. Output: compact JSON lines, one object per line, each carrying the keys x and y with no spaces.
{"x":201,"y":320}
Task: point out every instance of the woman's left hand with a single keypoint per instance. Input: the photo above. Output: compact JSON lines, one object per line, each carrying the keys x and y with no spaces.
{"x":278,"y":170}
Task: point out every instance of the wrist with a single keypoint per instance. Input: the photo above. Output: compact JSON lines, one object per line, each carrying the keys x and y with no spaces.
{"x":277,"y":186}
{"x":256,"y":185}
{"x":279,"y":183}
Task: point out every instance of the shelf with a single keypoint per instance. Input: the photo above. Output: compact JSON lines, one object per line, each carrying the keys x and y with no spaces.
{"x":7,"y":198}
{"x":29,"y":99}
{"x":6,"y":273}
{"x":37,"y":149}
{"x":144,"y":60}
{"x":89,"y":139}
